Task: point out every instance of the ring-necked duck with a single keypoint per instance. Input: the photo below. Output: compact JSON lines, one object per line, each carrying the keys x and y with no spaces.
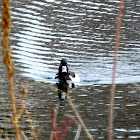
{"x":64,"y":74}
{"x":64,"y":77}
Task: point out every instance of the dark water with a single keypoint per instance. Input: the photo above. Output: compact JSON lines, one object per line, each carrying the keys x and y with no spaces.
{"x":84,"y":32}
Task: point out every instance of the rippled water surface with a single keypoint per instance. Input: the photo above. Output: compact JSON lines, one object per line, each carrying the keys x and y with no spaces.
{"x":81,"y":31}
{"x":84,"y":32}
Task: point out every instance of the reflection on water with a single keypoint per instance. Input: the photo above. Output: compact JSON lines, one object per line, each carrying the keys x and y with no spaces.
{"x":43,"y":32}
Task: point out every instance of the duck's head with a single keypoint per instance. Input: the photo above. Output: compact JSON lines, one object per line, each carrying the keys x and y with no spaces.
{"x":63,"y":62}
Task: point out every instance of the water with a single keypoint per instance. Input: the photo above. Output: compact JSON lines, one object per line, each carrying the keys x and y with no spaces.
{"x":84,"y":32}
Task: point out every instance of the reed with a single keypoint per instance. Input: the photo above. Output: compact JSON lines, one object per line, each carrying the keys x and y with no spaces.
{"x":78,"y":117}
{"x":78,"y":132}
{"x":27,"y":114}
{"x":7,"y":58}
{"x":113,"y":87}
{"x":60,"y":133}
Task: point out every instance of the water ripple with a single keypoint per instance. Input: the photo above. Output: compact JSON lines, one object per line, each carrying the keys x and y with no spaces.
{"x":81,"y":31}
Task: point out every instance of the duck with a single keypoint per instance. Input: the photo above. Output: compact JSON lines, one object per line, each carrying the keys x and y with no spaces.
{"x":65,"y":78}
{"x":64,"y":74}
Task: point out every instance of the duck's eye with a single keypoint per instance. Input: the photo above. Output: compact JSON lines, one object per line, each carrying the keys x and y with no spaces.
{"x":64,"y":69}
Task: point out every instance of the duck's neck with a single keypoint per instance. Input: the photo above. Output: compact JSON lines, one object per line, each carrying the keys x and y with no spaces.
{"x":63,"y":75}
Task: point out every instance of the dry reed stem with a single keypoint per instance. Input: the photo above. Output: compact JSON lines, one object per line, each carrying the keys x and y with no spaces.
{"x":24,"y":136}
{"x":7,"y":58}
{"x":54,"y":126}
{"x":63,"y":126}
{"x":78,"y":132}
{"x":79,"y":117}
{"x":59,"y":134}
{"x":54,"y":114}
{"x":67,"y":127}
{"x":51,"y":136}
{"x":113,"y":87}
{"x":28,"y":115}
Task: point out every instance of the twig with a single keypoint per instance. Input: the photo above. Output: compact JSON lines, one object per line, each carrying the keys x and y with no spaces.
{"x":112,"y":92}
